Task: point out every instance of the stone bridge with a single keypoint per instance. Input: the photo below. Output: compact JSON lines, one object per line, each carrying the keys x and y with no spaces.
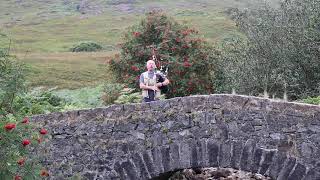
{"x":149,"y":140}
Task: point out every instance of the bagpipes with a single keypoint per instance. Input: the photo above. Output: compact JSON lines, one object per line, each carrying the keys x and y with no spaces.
{"x":162,"y":73}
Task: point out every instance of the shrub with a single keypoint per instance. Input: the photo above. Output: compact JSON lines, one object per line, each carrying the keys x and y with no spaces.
{"x":88,"y":97}
{"x":312,"y":100}
{"x":38,"y":102}
{"x":19,"y":141}
{"x":176,"y":46}
{"x":280,"y":54}
{"x":86,"y":47}
{"x":127,"y":95}
{"x":12,"y":81}
{"x":111,"y":92}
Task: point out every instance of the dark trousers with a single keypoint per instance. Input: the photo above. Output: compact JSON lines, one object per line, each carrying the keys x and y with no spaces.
{"x":148,"y":99}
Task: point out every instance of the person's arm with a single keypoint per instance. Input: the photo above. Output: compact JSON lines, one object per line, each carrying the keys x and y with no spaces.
{"x":145,"y":87}
{"x":164,"y":83}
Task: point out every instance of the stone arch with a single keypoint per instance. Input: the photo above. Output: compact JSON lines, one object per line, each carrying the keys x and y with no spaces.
{"x":245,"y":156}
{"x":143,"y":141}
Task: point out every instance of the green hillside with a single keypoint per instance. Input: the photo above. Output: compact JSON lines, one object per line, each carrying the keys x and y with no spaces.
{"x":38,"y":30}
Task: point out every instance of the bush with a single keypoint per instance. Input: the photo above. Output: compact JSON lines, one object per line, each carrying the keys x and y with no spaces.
{"x":12,"y":81}
{"x":19,"y":141}
{"x":88,"y":97}
{"x":86,"y":47}
{"x":127,"y":95}
{"x":176,"y":46}
{"x":312,"y":100}
{"x":111,"y":92}
{"x":38,"y":102}
{"x":280,"y":54}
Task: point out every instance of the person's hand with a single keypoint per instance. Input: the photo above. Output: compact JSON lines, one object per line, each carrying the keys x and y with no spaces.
{"x":159,"y":85}
{"x":154,"y":88}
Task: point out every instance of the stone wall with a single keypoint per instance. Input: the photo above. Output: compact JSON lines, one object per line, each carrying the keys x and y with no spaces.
{"x":143,"y":141}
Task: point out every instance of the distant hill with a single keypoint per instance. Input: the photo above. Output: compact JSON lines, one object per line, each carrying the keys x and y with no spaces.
{"x":55,"y":25}
{"x":15,"y":11}
{"x":41,"y":32}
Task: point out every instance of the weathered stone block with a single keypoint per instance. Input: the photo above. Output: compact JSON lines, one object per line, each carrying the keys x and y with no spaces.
{"x":118,"y":168}
{"x":246,"y":156}
{"x":236,"y":154}
{"x":312,"y":174}
{"x":194,"y":154}
{"x":130,"y":170}
{"x":257,"y":156}
{"x":266,"y":160}
{"x":213,"y":153}
{"x":185,"y":155}
{"x":298,"y":173}
{"x":175,"y":156}
{"x":141,"y":168}
{"x":166,"y":159}
{"x":204,"y":149}
{"x":225,"y":154}
{"x":285,"y":171}
{"x":277,"y":164}
{"x":157,"y":159}
{"x":147,"y":157}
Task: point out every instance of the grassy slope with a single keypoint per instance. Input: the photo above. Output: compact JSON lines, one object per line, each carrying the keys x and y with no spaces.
{"x":43,"y":31}
{"x":66,"y":70}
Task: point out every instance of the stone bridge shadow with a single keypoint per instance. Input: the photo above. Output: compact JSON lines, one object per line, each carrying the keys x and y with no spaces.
{"x":147,"y":141}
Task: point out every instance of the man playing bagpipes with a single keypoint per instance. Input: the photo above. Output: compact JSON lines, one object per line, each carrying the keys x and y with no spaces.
{"x":152,"y":81}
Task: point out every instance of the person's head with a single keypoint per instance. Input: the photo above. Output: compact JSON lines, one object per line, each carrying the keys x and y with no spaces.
{"x":151,"y":65}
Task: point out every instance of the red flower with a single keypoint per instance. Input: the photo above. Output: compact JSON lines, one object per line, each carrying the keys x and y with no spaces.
{"x":178,"y":39}
{"x":25,"y":120}
{"x":17,"y":177}
{"x":136,"y":34}
{"x":21,"y":161}
{"x":44,"y":173}
{"x":186,"y":64}
{"x":9,"y":126}
{"x":186,"y":32}
{"x":190,"y":89}
{"x":25,"y":142}
{"x":43,"y":131}
{"x":173,"y":49}
{"x":140,"y":53}
{"x":185,"y":46}
{"x":134,"y":68}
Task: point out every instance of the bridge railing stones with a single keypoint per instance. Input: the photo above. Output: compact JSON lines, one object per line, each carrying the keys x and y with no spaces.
{"x":143,"y":141}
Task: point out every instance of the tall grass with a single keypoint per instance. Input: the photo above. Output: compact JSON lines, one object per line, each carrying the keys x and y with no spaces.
{"x":67,"y":70}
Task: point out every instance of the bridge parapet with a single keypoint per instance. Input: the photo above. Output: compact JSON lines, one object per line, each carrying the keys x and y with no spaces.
{"x":143,"y":141}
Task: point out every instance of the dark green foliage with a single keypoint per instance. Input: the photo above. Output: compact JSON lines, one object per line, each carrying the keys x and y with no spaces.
{"x":314,"y":100}
{"x":12,"y":80}
{"x":86,"y":47}
{"x":38,"y":102}
{"x":111,"y":92}
{"x":176,"y":46}
{"x":280,"y":53}
{"x":12,"y":149}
